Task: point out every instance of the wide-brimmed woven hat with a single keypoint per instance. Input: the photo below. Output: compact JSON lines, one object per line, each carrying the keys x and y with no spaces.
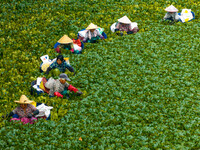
{"x":171,"y":8}
{"x":124,"y":20}
{"x":92,"y":26}
{"x":65,"y":40}
{"x":24,"y":100}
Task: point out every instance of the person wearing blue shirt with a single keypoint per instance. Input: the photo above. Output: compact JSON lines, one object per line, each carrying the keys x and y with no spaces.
{"x":60,"y":64}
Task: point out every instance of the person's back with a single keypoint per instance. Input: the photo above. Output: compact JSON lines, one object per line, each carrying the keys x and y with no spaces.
{"x":173,"y":16}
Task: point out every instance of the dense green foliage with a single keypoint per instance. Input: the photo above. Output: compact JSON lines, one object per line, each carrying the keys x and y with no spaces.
{"x":140,"y":91}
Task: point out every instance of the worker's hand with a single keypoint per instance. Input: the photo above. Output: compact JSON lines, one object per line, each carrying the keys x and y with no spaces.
{"x":30,"y":115}
{"x":58,"y":94}
{"x":74,"y":73}
{"x":79,"y":93}
{"x":72,"y":50}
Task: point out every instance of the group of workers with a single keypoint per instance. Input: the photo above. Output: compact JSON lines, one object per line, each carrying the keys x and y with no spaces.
{"x":92,"y":34}
{"x":55,"y":87}
{"x":173,"y":15}
{"x":26,"y":111}
{"x":123,"y":26}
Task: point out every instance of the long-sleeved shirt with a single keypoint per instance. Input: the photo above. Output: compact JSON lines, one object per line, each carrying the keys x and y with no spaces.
{"x":24,"y":114}
{"x":123,"y":27}
{"x":68,"y":46}
{"x":90,"y":34}
{"x":62,"y":67}
{"x":172,"y":16}
{"x":57,"y":86}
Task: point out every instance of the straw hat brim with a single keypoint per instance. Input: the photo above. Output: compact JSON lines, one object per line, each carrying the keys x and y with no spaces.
{"x":125,"y":22}
{"x":23,"y":100}
{"x":65,"y":40}
{"x":28,"y":102}
{"x":171,"y":10}
{"x":92,"y":26}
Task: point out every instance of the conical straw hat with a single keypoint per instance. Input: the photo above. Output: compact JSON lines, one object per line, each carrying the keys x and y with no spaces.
{"x":23,"y":100}
{"x":171,"y":8}
{"x":124,"y":20}
{"x":92,"y":26}
{"x":65,"y":40}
